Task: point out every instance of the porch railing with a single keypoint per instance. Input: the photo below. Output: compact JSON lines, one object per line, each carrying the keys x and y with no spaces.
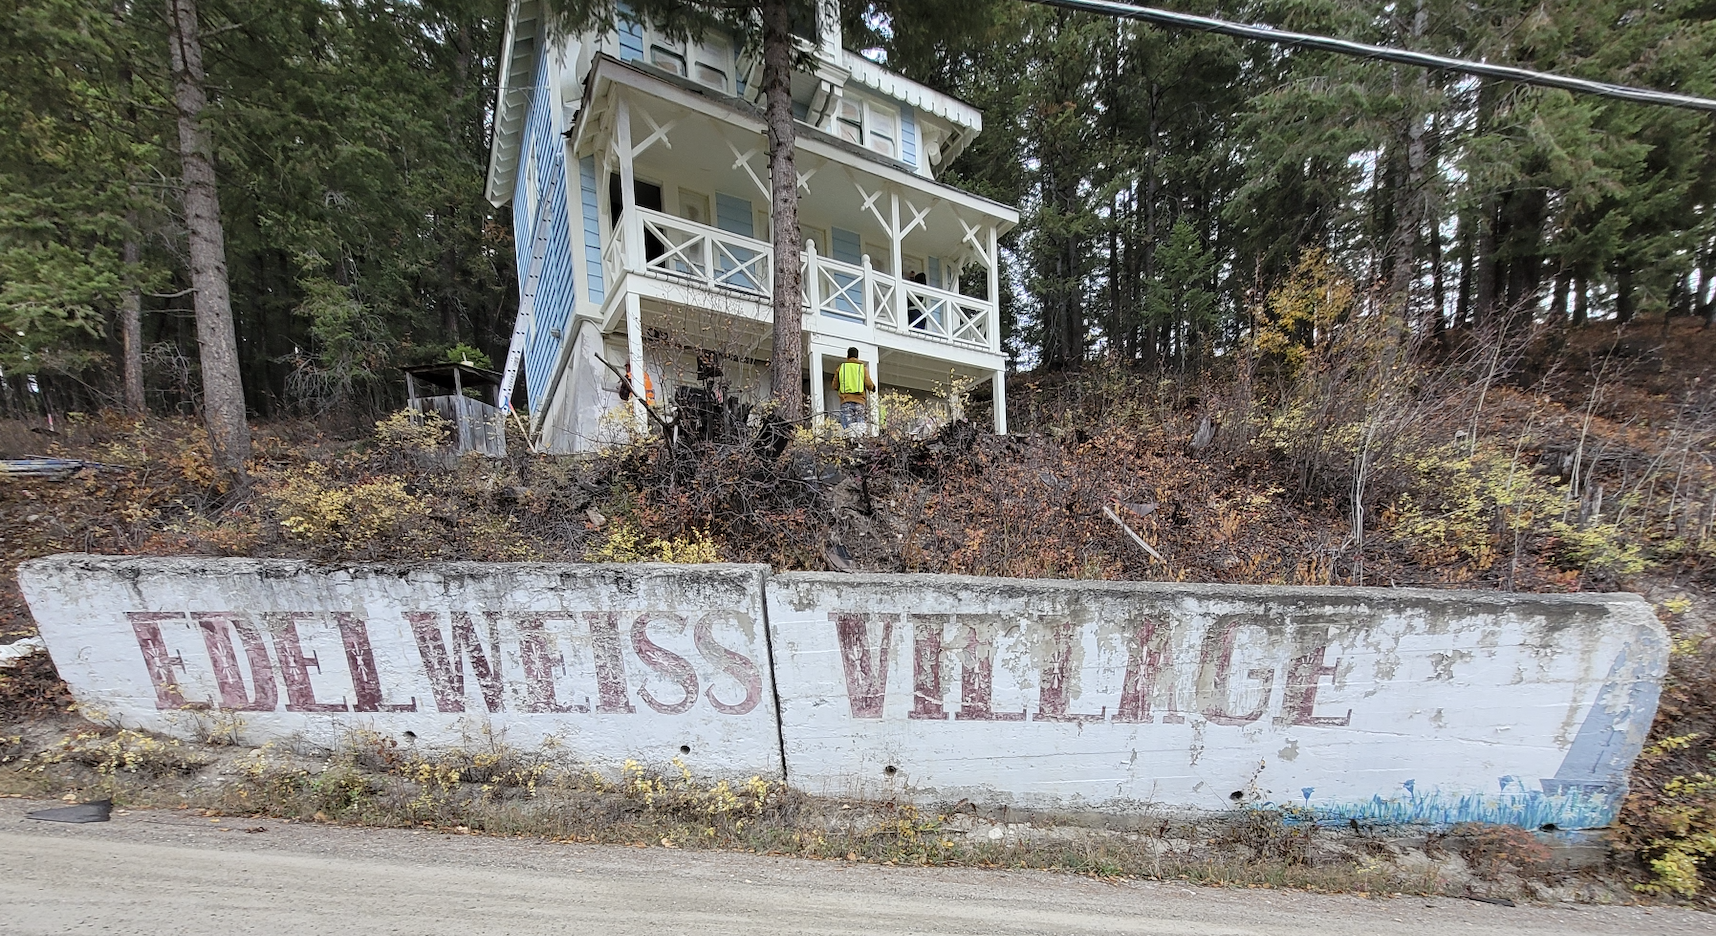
{"x":677,"y":249}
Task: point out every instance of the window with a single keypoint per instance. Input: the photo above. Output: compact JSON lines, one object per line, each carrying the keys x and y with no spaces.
{"x":693,"y":206}
{"x":712,"y":61}
{"x":667,"y":59}
{"x":883,"y":125}
{"x":869,"y":125}
{"x":849,"y":121}
{"x":808,"y":235}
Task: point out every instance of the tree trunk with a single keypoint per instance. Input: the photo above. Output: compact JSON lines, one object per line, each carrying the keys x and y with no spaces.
{"x":1409,"y":200}
{"x":1624,"y":296}
{"x":1706,"y":303}
{"x":1581,"y":296}
{"x":131,"y":325}
{"x":1484,"y":289}
{"x":217,"y":346}
{"x":1438,"y":315}
{"x":786,"y":365}
{"x":1558,"y":299}
{"x":1463,"y":297}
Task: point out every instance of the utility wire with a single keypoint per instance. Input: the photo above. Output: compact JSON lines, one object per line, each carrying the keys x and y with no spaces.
{"x":1385,"y":54}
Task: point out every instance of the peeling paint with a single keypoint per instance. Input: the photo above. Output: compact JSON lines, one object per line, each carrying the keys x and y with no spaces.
{"x":1362,"y":703}
{"x":609,"y":663}
{"x":1380,"y":705}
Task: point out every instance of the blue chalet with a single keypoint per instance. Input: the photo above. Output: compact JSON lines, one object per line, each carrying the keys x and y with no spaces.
{"x":637,"y":170}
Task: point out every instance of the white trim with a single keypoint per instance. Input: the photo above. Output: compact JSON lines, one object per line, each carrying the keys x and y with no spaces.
{"x":899,"y":87}
{"x":613,"y":72}
{"x":512,"y":97}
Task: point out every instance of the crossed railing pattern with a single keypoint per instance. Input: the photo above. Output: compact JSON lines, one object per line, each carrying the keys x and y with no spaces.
{"x":686,"y":250}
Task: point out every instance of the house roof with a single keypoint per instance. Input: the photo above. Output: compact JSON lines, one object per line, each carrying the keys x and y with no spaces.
{"x":441,"y":375}
{"x":922,"y":97}
{"x":523,"y":44}
{"x":605,"y":67}
{"x":519,"y":50}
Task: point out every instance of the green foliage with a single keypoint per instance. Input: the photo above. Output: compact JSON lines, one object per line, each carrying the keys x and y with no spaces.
{"x":73,"y":151}
{"x":1467,"y":506}
{"x":463,"y":353}
{"x":350,"y":145}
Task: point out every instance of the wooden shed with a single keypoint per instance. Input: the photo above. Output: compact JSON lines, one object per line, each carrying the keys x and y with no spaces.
{"x":465,"y":395}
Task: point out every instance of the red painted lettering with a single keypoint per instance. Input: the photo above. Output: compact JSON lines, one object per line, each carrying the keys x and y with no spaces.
{"x":1302,"y":677}
{"x":668,"y":664}
{"x":447,"y":676}
{"x":926,"y":669}
{"x":1052,"y":698}
{"x":1215,"y":676}
{"x":217,"y":636}
{"x":360,"y":656}
{"x":147,"y":625}
{"x":866,"y":672}
{"x":977,"y":677}
{"x":1144,"y":655}
{"x":540,"y":661}
{"x":295,"y":663}
{"x":611,"y":694}
{"x":734,"y":664}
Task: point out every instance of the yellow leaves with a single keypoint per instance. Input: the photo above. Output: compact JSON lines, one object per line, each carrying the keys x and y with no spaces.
{"x":1673,"y":743}
{"x":626,"y":543}
{"x":313,"y":508}
{"x":411,"y":431}
{"x":1679,"y":604}
{"x":124,"y":751}
{"x":1300,"y":313}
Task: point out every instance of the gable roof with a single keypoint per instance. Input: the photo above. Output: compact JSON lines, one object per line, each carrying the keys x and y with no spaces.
{"x":524,"y":43}
{"x":519,"y":50}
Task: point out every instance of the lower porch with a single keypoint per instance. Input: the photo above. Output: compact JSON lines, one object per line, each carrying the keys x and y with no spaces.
{"x":697,"y":358}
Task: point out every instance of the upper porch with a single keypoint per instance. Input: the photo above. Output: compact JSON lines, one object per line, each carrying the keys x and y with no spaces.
{"x":673,"y":185}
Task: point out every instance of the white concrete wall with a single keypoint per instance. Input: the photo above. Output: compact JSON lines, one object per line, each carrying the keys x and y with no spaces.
{"x":604,"y":662}
{"x":1392,"y":705}
{"x":1379,"y":705}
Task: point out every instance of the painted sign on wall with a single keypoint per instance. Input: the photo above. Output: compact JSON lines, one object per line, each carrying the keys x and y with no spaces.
{"x":1385,"y":705}
{"x":1392,"y":705}
{"x":607,"y":663}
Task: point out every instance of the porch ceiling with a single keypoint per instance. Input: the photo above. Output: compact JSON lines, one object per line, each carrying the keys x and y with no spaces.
{"x":710,"y":133}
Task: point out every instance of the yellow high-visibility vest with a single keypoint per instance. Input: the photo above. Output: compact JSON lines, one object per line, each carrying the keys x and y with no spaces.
{"x":851,"y":377}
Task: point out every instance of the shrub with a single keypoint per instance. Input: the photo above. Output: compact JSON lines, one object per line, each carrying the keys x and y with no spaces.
{"x":315,"y":509}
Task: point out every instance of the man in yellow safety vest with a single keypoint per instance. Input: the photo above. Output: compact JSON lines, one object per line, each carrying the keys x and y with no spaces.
{"x":852,"y":381}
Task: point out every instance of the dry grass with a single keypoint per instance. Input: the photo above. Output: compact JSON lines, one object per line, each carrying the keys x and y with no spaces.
{"x":492,"y":790}
{"x":1489,"y":480}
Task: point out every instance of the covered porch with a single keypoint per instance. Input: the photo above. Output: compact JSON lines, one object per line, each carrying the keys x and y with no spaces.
{"x":676,"y":180}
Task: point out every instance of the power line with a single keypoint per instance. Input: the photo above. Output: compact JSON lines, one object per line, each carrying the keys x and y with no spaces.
{"x":1385,"y":54}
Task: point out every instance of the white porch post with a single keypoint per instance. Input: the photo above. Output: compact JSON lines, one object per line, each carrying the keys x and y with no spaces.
{"x":895,"y":263}
{"x":631,"y":260}
{"x":995,"y":319}
{"x":818,"y":392}
{"x":873,"y":406}
{"x":633,"y":222}
{"x":999,"y":383}
{"x":635,"y":359}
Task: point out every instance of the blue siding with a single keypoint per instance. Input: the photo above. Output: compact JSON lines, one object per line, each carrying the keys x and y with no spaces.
{"x":733,"y":214}
{"x":545,"y":285}
{"x":523,"y":225}
{"x":592,"y":230}
{"x":846,"y":246}
{"x":908,"y":136}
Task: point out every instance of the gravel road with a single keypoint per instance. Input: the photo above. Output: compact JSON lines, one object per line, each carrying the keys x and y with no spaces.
{"x":165,"y":872}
